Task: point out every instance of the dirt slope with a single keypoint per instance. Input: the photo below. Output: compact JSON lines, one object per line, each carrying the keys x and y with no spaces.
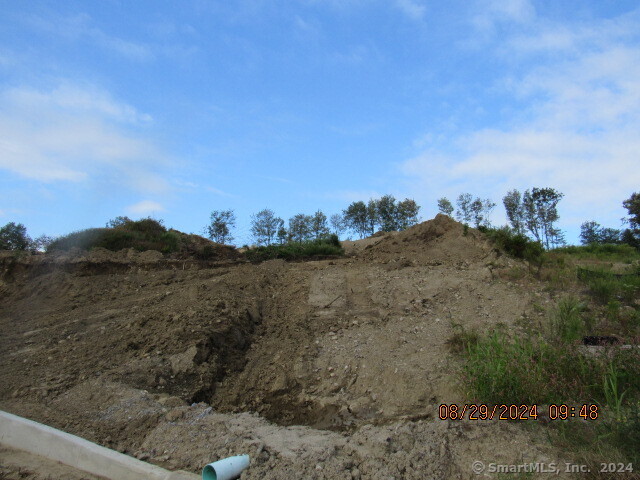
{"x":323,"y":369}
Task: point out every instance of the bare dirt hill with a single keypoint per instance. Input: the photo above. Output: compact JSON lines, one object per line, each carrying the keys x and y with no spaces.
{"x":319,"y":369}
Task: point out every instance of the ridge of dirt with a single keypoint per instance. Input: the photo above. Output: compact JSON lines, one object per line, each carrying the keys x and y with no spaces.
{"x":319,"y":369}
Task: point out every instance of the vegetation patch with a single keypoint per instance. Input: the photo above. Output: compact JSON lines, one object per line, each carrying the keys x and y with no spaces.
{"x":550,"y":365}
{"x":609,"y":252}
{"x":297,"y":250}
{"x":515,"y":244}
{"x":141,"y":235}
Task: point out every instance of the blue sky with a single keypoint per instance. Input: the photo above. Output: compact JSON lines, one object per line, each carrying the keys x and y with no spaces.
{"x":175,"y":109}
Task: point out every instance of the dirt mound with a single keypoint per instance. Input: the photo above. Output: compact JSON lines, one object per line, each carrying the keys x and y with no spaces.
{"x":320,"y":369}
{"x":99,"y":261}
{"x":441,"y":240}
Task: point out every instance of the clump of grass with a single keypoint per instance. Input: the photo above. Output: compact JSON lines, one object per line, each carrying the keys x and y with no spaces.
{"x":462,"y":340}
{"x":603,"y":289}
{"x":566,"y":320}
{"x":324,"y":247}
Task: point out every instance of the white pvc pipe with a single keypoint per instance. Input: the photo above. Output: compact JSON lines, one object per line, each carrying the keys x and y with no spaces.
{"x":226,"y":469}
{"x":36,"y":438}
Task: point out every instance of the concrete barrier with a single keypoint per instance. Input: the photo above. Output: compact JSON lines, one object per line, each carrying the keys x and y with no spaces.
{"x":39,"y":439}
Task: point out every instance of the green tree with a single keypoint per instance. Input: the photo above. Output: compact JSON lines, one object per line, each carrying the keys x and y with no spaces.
{"x":540,"y":214}
{"x":14,"y":237}
{"x":282,"y":235}
{"x":300,"y":227}
{"x":464,"y":213}
{"x":219,"y":228}
{"x":356,"y":218}
{"x":445,"y":207}
{"x":632,"y":234}
{"x":473,"y":210}
{"x":632,"y":204}
{"x":337,"y":223}
{"x":407,"y":213}
{"x":118,"y":222}
{"x":265,"y":226}
{"x":373,"y":219}
{"x":590,"y":232}
{"x":41,"y":243}
{"x":512,"y":202}
{"x":319,"y":228}
{"x":610,"y":235}
{"x":387,"y":213}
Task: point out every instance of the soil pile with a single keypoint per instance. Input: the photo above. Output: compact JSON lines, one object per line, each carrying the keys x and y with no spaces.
{"x":320,"y":369}
{"x":437,"y":241}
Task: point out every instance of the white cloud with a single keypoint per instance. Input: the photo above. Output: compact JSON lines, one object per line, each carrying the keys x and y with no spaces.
{"x":493,"y":12}
{"x":75,"y":99}
{"x":74,"y":133}
{"x":411,"y":8}
{"x":145,"y":207}
{"x":578,"y":132}
{"x":217,"y":191}
{"x":79,"y":27}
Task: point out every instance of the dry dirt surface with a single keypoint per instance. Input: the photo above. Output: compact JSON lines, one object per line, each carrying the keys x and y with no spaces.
{"x":329,"y":369}
{"x":19,"y":465}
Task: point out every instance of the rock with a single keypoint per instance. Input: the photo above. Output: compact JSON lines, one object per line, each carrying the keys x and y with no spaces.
{"x":174,"y":415}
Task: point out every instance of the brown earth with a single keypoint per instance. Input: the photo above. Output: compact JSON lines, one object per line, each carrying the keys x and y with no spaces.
{"x":319,"y":369}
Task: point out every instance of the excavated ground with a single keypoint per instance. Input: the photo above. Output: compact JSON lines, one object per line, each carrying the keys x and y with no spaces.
{"x":322,"y":369}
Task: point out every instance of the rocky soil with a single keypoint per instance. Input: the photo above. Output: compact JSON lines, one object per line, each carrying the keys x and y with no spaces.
{"x":322,"y":369}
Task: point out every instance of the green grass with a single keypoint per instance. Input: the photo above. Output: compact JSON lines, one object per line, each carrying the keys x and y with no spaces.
{"x":608,"y":252}
{"x":596,"y":295}
{"x":297,"y":250}
{"x":566,"y":322}
{"x":547,"y":369}
{"x":606,"y":286}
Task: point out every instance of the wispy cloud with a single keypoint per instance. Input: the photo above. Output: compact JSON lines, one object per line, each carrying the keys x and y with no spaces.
{"x":76,"y":133}
{"x":81,"y":27}
{"x":145,"y":207}
{"x":74,"y":99}
{"x":188,"y":185}
{"x":412,"y":8}
{"x":219,"y":192}
{"x":579,"y":134}
{"x":494,"y":12}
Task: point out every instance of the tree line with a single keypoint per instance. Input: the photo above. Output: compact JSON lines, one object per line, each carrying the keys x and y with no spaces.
{"x":532,"y":213}
{"x":592,"y":232}
{"x":362,"y":219}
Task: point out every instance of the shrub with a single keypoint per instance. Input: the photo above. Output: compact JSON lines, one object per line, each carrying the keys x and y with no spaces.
{"x":515,"y":244}
{"x":83,"y":239}
{"x":141,"y":235}
{"x":297,"y":250}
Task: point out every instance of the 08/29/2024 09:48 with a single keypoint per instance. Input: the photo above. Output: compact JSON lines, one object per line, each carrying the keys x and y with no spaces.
{"x":517,"y":412}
